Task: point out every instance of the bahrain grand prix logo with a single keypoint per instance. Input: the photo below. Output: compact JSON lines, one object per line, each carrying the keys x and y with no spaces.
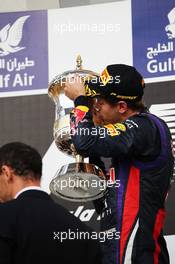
{"x":170,"y":29}
{"x":11,"y":36}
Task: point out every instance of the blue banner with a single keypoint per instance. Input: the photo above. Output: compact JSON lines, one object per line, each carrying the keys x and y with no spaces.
{"x":23,"y":51}
{"x":153,"y":24}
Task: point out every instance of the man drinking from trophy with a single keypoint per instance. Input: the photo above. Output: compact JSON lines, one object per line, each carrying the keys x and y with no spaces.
{"x":139,"y":146}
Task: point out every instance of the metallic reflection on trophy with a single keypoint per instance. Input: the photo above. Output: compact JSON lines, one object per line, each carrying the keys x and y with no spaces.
{"x":77,"y":181}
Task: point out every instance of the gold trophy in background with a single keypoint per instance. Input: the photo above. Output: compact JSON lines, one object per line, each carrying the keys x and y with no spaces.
{"x":79,"y":181}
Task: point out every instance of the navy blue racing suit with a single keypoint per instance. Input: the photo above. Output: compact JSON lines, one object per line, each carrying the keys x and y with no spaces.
{"x":142,"y":165}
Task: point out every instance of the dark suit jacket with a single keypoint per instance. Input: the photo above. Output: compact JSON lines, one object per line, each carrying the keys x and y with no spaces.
{"x":30,"y":229}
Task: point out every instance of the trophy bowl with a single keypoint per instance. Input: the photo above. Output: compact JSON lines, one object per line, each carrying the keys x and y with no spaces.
{"x":79,"y":181}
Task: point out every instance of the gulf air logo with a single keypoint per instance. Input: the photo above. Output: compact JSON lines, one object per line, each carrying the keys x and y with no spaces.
{"x":11,"y":36}
{"x":167,"y":113}
{"x":170,"y":28}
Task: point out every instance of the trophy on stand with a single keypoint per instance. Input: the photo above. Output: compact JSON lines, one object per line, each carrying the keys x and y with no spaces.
{"x":78,"y":181}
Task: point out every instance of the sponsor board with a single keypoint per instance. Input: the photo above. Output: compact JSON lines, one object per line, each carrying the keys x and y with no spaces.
{"x":23,"y":51}
{"x":154,"y":37}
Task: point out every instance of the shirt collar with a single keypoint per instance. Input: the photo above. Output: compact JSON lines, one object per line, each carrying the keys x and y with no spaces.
{"x":27,"y":189}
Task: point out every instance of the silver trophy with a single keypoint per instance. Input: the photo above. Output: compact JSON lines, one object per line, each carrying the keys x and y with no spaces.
{"x":78,"y":181}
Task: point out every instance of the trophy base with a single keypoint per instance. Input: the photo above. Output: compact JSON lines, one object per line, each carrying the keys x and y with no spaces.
{"x":79,"y":182}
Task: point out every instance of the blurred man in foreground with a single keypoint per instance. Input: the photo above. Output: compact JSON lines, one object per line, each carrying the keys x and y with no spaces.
{"x":34,"y":229}
{"x":139,"y":145}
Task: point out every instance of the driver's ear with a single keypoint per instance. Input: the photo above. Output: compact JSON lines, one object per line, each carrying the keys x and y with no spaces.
{"x":122,"y":107}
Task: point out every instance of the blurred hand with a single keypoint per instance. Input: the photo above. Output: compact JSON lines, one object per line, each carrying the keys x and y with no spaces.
{"x":74,"y":87}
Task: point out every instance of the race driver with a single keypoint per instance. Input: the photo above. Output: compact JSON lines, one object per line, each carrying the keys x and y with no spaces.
{"x":139,"y":145}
